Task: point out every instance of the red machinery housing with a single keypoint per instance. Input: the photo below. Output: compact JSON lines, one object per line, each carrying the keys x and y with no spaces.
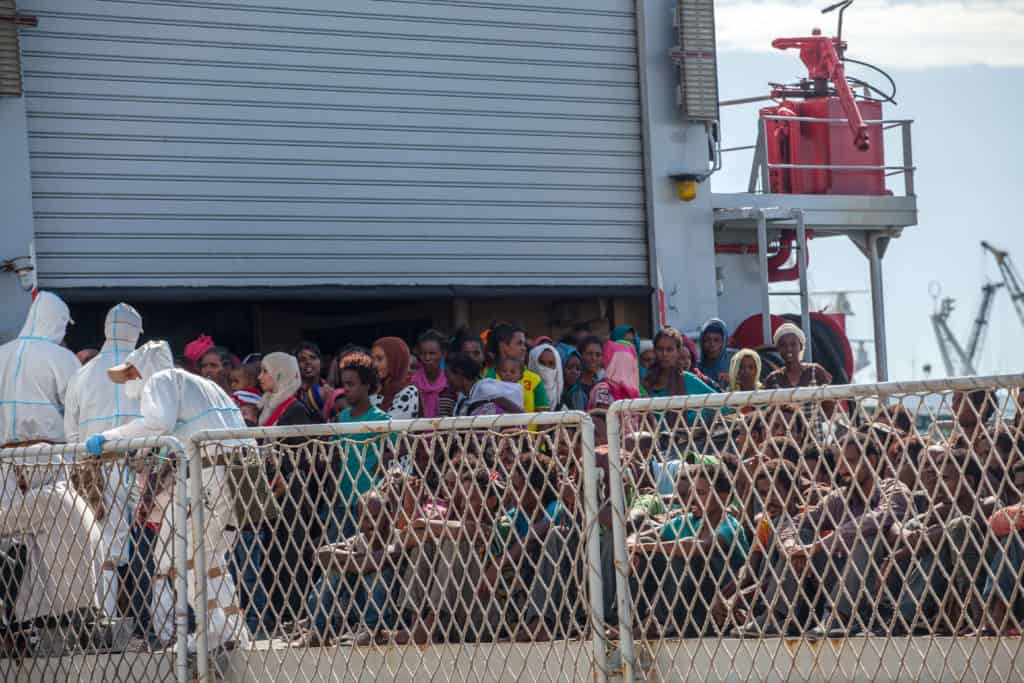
{"x":825,"y":148}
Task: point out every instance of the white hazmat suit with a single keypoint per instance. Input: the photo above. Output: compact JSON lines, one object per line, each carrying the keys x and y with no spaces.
{"x":95,"y":403}
{"x":64,"y":544}
{"x":177,"y":403}
{"x":34,"y":375}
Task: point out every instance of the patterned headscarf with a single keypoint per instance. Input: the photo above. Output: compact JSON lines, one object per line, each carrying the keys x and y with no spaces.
{"x":399,"y":358}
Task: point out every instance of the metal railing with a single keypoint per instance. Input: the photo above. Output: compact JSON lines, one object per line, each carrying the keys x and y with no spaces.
{"x":84,"y":543}
{"x":759,"y":526}
{"x":842,"y":533}
{"x":453,"y":535}
{"x":760,"y":169}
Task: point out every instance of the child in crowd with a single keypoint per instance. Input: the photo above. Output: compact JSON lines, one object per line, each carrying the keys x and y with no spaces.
{"x":248,"y":403}
{"x":245,"y":378}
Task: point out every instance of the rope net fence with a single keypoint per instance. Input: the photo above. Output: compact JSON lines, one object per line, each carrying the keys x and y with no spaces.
{"x":842,"y":533}
{"x":426,"y":550}
{"x":88,"y":563}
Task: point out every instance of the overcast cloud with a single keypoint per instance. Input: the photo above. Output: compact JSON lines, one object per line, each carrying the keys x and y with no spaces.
{"x":907,"y":33}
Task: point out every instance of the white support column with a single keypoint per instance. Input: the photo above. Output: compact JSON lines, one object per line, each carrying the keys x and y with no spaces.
{"x":762,"y":260}
{"x":805,"y":306}
{"x":874,"y":253}
{"x":16,"y":221}
{"x":680,"y":236}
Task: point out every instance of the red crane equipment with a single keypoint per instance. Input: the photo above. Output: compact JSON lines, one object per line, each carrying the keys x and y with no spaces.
{"x":813,"y":152}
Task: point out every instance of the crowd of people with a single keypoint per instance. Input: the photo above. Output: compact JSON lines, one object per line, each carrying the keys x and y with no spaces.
{"x":818,"y":520}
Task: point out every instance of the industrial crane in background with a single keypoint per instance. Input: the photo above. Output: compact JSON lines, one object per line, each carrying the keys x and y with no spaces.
{"x":1010,"y":278}
{"x":963,"y":359}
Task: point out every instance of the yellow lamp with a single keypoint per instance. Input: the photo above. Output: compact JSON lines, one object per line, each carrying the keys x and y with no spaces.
{"x":686,"y":190}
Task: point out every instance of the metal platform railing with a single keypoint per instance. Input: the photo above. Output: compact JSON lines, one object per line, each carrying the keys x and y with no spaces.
{"x":760,"y":168}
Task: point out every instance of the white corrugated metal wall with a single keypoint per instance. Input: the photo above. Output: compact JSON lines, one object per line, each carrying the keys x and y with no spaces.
{"x":420,"y":142}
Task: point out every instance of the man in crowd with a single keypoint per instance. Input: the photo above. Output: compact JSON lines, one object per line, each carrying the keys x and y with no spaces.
{"x":216,"y":365}
{"x":839,"y":543}
{"x":683,"y":564}
{"x":943,"y":545}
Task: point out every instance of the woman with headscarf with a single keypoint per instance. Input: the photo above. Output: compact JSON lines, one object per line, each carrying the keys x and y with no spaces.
{"x":572,"y":371}
{"x":398,"y":397}
{"x":547,"y":363}
{"x":621,"y":377}
{"x":790,"y":343}
{"x":626,"y":334}
{"x":276,"y":535}
{"x":745,"y":371}
{"x":714,"y":352}
{"x":281,"y":381}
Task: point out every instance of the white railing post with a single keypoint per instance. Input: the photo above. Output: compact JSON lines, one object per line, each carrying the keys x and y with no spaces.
{"x":592,"y":524}
{"x":198,"y":574}
{"x":180,"y":534}
{"x":622,"y":563}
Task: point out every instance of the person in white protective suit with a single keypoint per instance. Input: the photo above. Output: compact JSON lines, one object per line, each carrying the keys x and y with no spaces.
{"x":95,"y":403}
{"x":34,"y":374}
{"x":57,"y":528}
{"x":175,"y":402}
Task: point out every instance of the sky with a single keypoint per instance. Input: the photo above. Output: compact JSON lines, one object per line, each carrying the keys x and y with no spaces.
{"x":959,"y":71}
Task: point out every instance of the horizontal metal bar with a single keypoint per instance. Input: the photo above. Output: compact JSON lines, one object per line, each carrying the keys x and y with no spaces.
{"x":745,"y":100}
{"x":820,"y":393}
{"x":391,"y":426}
{"x":814,"y":119}
{"x":78,"y":449}
{"x":736,"y":149}
{"x":844,"y":167}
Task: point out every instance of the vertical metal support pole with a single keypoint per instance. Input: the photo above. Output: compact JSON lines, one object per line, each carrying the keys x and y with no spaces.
{"x":198,"y":574}
{"x":801,"y":259}
{"x":878,"y":307}
{"x":766,"y":185}
{"x":908,"y":159}
{"x":622,"y":564}
{"x":762,"y":259}
{"x":758,"y":160}
{"x":594,"y":568}
{"x":181,"y":564}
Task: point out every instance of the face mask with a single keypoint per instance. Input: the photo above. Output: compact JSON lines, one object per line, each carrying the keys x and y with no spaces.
{"x":133,"y":389}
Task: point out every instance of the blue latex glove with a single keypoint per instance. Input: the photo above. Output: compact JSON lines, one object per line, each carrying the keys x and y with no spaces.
{"x":94,"y":444}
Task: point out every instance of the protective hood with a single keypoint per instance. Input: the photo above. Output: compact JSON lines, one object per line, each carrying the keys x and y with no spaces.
{"x":151,"y":358}
{"x":123,"y":324}
{"x":48,"y":318}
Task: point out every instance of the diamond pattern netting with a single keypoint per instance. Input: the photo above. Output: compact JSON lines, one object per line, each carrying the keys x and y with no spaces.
{"x":78,"y":563}
{"x":860,"y":539}
{"x":466,"y":546}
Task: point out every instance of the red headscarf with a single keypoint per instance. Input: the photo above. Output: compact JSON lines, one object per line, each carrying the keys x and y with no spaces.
{"x":621,"y":370}
{"x":397,"y":353}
